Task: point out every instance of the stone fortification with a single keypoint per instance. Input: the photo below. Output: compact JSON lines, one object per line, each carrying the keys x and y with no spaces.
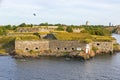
{"x":27,"y":46}
{"x":36,"y":29}
{"x":52,"y":45}
{"x":61,"y":48}
{"x":66,"y":46}
{"x":103,"y":47}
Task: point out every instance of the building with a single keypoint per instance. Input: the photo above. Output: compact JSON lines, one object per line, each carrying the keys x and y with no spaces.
{"x":87,"y":23}
{"x":77,"y":30}
{"x":62,"y":46}
{"x":36,"y":29}
{"x":53,"y":45}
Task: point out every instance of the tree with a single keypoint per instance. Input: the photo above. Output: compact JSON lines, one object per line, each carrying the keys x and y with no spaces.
{"x":8,"y":27}
{"x":22,"y":25}
{"x":60,"y":28}
{"x":69,"y":29}
{"x":44,"y":24}
{"x":2,"y":31}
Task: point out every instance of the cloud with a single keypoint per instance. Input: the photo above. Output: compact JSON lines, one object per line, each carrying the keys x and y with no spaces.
{"x":64,"y":11}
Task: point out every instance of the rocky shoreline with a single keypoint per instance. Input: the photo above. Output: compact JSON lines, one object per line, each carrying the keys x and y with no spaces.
{"x":4,"y":54}
{"x":74,"y":54}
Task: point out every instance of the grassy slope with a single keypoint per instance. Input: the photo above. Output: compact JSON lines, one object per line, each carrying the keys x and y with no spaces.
{"x":6,"y":44}
{"x":82,"y":36}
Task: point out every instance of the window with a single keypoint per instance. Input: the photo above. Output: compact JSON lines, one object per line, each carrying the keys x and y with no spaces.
{"x":65,"y":48}
{"x":58,"y":48}
{"x":98,"y":44}
{"x":72,"y":48}
{"x":36,"y":48}
{"x":27,"y":49}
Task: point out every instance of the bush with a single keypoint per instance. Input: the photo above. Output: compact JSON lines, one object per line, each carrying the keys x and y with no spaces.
{"x":60,"y":28}
{"x":94,"y":48}
{"x":88,"y":40}
{"x":69,"y":29}
{"x":97,"y":30}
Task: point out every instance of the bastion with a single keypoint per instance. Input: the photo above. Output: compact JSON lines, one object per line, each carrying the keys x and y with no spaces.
{"x":50,"y":47}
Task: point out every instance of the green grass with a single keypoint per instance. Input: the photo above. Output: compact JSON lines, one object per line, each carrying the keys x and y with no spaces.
{"x":6,"y":39}
{"x":102,"y":38}
{"x":83,"y":37}
{"x":72,"y":36}
{"x":27,"y":38}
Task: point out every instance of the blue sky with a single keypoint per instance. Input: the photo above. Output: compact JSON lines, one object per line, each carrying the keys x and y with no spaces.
{"x":60,"y":11}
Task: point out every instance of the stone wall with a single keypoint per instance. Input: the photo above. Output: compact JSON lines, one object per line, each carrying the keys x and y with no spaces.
{"x":61,"y":46}
{"x":65,"y":46}
{"x":77,"y":30}
{"x":27,"y":29}
{"x":26,"y":46}
{"x":104,"y":47}
{"x":117,"y":31}
{"x":36,"y":29}
{"x":53,"y":45}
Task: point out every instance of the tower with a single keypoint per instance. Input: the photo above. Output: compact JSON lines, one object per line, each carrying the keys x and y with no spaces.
{"x":110,"y":24}
{"x":87,"y":23}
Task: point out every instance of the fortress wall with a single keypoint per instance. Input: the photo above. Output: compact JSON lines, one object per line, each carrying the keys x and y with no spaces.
{"x":65,"y":46}
{"x":103,"y":46}
{"x":26,"y":46}
{"x":61,"y":46}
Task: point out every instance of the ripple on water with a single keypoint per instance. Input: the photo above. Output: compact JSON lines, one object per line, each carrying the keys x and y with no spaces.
{"x":99,"y":68}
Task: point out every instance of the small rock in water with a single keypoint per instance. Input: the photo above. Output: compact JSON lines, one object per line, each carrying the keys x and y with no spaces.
{"x":67,"y":59}
{"x":23,"y":60}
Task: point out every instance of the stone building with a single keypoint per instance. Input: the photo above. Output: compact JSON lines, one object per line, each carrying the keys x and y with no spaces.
{"x":103,"y":47}
{"x":27,"y":46}
{"x":52,"y":45}
{"x":27,"y":29}
{"x":61,"y":46}
{"x":36,"y":29}
{"x":66,"y":46}
{"x":77,"y":30}
{"x":117,"y":30}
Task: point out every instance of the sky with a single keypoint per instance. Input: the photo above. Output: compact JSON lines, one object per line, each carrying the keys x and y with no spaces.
{"x":76,"y":12}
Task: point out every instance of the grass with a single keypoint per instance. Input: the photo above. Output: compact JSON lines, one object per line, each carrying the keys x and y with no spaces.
{"x":102,"y":38}
{"x":6,"y":39}
{"x":3,"y":52}
{"x":32,"y":37}
{"x":83,"y":37}
{"x":26,"y":33}
{"x":6,"y":44}
{"x":72,"y":36}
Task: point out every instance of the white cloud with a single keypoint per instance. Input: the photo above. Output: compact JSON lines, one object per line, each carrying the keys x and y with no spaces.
{"x":64,"y":11}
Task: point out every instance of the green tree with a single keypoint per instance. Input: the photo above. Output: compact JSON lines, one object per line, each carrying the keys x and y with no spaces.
{"x":44,"y":24}
{"x":60,"y":28}
{"x":8,"y":27}
{"x":22,"y":25}
{"x":2,"y":31}
{"x":69,"y":29}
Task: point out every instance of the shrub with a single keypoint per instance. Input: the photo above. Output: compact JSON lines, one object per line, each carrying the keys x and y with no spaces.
{"x":69,"y":29}
{"x":94,"y":48}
